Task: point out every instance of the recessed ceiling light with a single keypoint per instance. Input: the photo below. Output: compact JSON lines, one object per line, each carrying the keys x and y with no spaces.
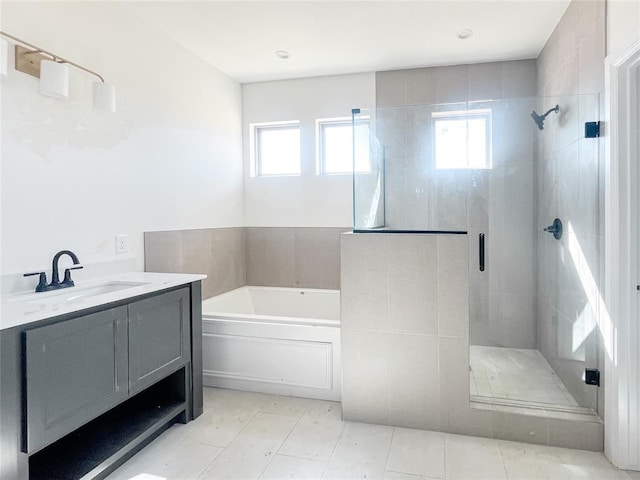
{"x":282,"y":54}
{"x":464,"y":34}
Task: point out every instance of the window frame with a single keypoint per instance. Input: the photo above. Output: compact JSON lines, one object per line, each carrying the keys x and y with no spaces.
{"x":255,"y":144}
{"x":321,"y":123}
{"x":484,"y":113}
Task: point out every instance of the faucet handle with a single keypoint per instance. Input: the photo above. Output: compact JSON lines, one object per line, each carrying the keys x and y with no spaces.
{"x":42,"y":283}
{"x":67,"y":274}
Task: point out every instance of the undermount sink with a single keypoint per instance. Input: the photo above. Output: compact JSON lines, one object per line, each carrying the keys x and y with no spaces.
{"x":71,"y":294}
{"x":100,"y":289}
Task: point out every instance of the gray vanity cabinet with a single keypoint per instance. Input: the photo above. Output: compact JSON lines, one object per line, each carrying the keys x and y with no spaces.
{"x":76,"y":370}
{"x":159,"y":338}
{"x":81,"y":392}
{"x":80,"y":368}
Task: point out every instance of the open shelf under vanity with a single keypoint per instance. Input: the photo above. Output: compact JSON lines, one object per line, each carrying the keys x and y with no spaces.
{"x":97,"y":448}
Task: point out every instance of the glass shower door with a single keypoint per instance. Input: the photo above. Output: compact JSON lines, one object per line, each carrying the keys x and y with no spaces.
{"x":505,"y":364}
{"x":533,"y":309}
{"x":569,"y":269}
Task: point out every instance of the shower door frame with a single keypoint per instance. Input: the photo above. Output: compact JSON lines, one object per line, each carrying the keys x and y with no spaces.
{"x":619,"y":315}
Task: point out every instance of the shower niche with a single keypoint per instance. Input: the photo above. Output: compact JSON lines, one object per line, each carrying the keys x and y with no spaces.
{"x":487,"y":169}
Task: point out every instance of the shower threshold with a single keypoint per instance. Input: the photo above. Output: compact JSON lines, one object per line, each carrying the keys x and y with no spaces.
{"x":542,"y":409}
{"x":519,"y":379}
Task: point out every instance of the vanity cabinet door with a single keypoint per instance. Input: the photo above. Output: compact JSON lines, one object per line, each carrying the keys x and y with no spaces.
{"x":158,"y":338}
{"x":75,"y":371}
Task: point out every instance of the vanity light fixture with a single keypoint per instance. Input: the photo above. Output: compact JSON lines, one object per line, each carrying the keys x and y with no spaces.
{"x":54,"y":79}
{"x":104,"y":96}
{"x":53,"y":72}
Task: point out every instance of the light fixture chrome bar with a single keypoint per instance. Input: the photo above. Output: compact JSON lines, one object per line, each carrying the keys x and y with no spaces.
{"x":55,"y":57}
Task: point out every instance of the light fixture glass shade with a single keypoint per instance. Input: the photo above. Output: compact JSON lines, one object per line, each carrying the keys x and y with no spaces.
{"x":4,"y":57}
{"x":104,"y":96}
{"x":54,"y":79}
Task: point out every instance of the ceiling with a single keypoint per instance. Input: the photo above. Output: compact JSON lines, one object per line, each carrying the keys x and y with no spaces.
{"x":325,"y":37}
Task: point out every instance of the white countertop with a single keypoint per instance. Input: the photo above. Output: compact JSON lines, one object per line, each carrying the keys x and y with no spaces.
{"x":27,"y":307}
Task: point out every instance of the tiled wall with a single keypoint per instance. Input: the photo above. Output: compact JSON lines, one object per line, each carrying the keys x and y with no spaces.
{"x":459,"y":83}
{"x":294,"y":257}
{"x":405,"y":343}
{"x":569,"y":186}
{"x":217,"y":252}
{"x":498,"y":202}
{"x":404,"y":329}
{"x":262,"y":256}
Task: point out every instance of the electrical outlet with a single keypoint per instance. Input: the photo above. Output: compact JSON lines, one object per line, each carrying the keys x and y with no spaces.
{"x":122,"y":243}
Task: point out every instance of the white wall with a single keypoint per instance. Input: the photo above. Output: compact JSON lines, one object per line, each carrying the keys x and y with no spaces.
{"x":309,"y":200}
{"x":71,"y":177}
{"x":623,"y":24}
{"x":621,"y":379}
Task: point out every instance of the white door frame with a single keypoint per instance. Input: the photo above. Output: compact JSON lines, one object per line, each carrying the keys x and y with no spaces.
{"x":619,"y":315}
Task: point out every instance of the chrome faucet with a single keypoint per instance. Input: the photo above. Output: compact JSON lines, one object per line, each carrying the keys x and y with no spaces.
{"x":55,"y":277}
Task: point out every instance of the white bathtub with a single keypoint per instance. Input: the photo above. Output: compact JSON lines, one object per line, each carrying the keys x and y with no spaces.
{"x":273,"y":340}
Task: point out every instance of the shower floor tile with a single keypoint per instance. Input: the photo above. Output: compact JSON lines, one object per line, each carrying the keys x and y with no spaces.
{"x":515,"y":374}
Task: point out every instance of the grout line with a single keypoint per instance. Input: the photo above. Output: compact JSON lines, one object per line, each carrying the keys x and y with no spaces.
{"x":244,"y":426}
{"x":446,"y":435}
{"x":299,"y":458}
{"x":386,"y":462}
{"x":333,"y":451}
{"x":237,"y":434}
{"x":418,"y":477}
{"x":504,"y":466}
{"x":199,"y":474}
{"x":286,"y":437}
{"x":549,"y":450}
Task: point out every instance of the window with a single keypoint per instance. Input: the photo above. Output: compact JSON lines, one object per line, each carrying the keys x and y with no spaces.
{"x":335,"y":146}
{"x":462,"y":139}
{"x":276,"y":149}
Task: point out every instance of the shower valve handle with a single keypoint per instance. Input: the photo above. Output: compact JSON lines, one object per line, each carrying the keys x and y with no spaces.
{"x":555,"y":228}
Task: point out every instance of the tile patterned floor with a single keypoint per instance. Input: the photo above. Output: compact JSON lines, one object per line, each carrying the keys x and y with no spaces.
{"x":515,"y":374}
{"x":255,"y":436}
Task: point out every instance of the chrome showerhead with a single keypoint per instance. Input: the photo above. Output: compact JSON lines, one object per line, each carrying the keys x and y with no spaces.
{"x":539,"y":119}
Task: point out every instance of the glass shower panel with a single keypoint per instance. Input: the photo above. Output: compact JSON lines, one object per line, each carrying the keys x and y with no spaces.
{"x":422,"y":194}
{"x":368,"y":181}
